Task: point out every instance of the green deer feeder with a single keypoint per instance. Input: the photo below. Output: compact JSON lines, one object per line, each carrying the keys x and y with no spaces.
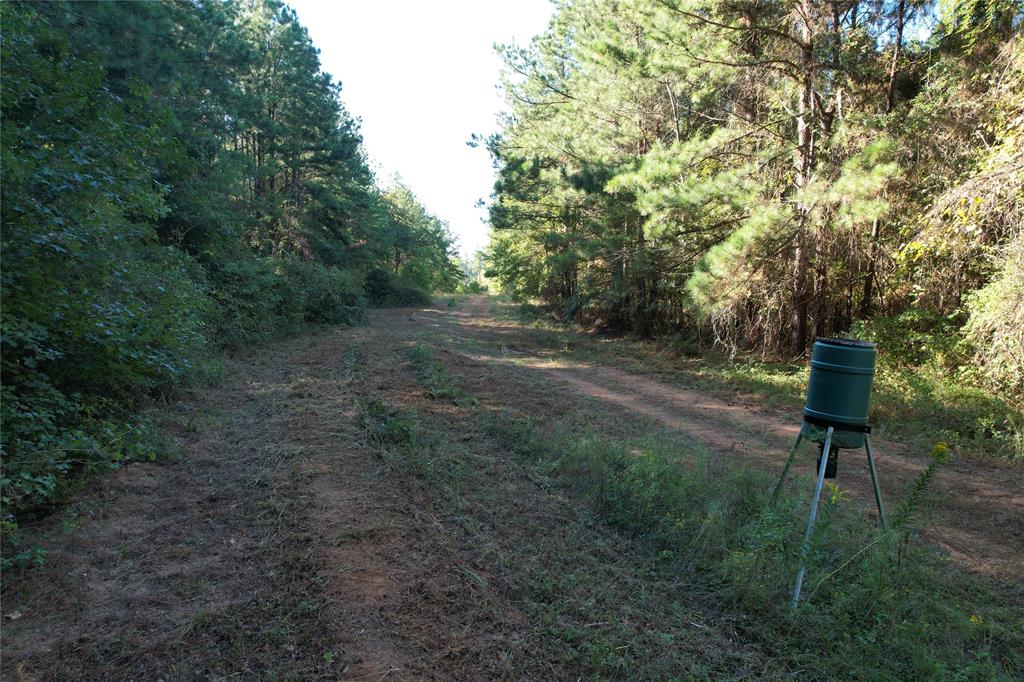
{"x":835,"y":416}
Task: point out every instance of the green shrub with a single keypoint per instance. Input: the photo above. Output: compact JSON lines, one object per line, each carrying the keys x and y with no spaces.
{"x":260,"y":298}
{"x":253,"y":301}
{"x":71,"y":379}
{"x":926,"y":403}
{"x":385,"y":289}
{"x":996,"y":323}
{"x":328,"y":295}
{"x":97,"y":317}
{"x":75,"y":368}
{"x":471,"y":287}
{"x":927,"y":384}
{"x":913,"y":338}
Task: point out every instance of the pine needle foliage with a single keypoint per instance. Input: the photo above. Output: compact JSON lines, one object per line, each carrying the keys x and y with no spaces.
{"x":758,"y":174}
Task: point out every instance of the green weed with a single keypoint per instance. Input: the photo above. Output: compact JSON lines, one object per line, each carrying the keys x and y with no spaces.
{"x":435,"y":377}
{"x":879,"y":605}
{"x":387,"y":426}
{"x":408,"y":446}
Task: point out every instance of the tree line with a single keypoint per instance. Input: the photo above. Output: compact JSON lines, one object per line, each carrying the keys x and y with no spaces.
{"x":759,"y":173}
{"x":178,"y":177}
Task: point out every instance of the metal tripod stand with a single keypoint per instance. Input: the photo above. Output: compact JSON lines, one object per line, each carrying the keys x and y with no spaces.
{"x":826,"y":451}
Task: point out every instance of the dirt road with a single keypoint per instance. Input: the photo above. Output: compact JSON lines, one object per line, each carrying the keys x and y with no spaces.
{"x":283,"y":539}
{"x":979,"y":518}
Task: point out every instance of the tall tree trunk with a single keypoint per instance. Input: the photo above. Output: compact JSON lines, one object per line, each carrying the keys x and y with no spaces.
{"x":675,"y":110}
{"x":799,"y":319}
{"x":890,"y":91}
{"x":869,"y":278}
{"x":804,"y":162}
{"x":876,"y":225}
{"x":820,"y":284}
{"x":746,"y":102}
{"x":640,"y":265}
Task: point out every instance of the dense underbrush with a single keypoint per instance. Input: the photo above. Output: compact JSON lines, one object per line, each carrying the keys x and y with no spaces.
{"x":386,"y":289}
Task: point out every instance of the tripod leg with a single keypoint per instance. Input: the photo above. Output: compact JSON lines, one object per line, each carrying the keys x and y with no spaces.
{"x":874,"y":482}
{"x":810,"y":519}
{"x":785,"y":469}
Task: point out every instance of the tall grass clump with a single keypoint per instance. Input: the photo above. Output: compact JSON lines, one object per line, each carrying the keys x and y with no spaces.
{"x":878,"y":604}
{"x":408,"y":444}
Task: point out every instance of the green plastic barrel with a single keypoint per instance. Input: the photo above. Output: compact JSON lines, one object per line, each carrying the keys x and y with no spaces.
{"x":839,"y":390}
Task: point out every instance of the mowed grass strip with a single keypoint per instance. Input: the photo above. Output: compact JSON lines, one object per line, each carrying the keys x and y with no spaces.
{"x":878,"y":604}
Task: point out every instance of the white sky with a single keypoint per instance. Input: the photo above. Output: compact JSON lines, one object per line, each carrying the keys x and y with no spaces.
{"x":423,"y":77}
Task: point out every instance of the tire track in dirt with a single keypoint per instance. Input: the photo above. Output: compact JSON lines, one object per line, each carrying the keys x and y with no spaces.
{"x":278,"y":543}
{"x":978,"y":516}
{"x":512,"y":529}
{"x":402,"y":608}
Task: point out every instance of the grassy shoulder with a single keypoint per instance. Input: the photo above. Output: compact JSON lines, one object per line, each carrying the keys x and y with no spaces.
{"x":705,"y":553}
{"x":879,"y":604}
{"x":588,"y":603}
{"x":917,"y":398}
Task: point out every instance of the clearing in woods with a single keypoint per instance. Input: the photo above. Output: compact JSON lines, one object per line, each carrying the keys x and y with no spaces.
{"x":286,"y":536}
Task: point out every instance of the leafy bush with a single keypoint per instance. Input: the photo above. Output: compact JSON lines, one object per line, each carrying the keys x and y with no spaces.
{"x":915,"y":337}
{"x":926,"y":402}
{"x":926,"y":383}
{"x":385,"y":289}
{"x":66,"y":446}
{"x":253,"y":302}
{"x":996,"y":323}
{"x":97,"y":317}
{"x":472,"y":286}
{"x":328,"y":295}
{"x":75,"y":367}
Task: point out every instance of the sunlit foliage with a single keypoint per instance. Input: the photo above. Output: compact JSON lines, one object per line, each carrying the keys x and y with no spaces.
{"x":761,"y":173}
